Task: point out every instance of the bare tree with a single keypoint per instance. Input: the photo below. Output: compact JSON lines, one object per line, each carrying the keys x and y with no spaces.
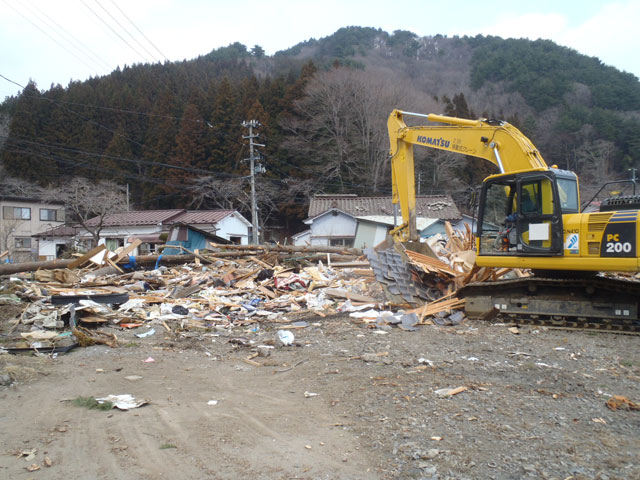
{"x":594,"y":163}
{"x":88,"y":204}
{"x":234,"y":194}
{"x":17,"y":187}
{"x":8,"y":228}
{"x":340,"y":128}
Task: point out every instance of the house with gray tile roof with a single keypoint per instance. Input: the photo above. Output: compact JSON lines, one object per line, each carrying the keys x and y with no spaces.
{"x":334,"y":219}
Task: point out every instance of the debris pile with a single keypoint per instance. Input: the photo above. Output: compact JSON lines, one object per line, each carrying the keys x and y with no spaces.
{"x":215,"y":290}
{"x":101,"y":293}
{"x":430,"y":274}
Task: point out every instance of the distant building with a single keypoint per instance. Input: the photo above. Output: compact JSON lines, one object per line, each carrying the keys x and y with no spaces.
{"x":335,"y":220}
{"x":22,"y":218}
{"x":151,"y":227}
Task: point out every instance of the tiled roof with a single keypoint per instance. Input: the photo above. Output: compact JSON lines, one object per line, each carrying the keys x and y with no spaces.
{"x":164,"y":217}
{"x":429,"y":206}
{"x":59,"y":231}
{"x":138,"y":217}
{"x":199,"y":217}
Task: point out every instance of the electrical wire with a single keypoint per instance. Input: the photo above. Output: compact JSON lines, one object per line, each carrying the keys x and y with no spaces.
{"x":116,"y":33}
{"x":126,"y":31}
{"x":48,"y":35}
{"x":140,"y":31}
{"x":67,"y":36}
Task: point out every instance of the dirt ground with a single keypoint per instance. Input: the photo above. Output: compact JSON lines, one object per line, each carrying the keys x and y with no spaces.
{"x":345,"y":401}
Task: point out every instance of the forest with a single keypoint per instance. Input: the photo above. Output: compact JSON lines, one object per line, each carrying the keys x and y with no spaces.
{"x":173,"y":132}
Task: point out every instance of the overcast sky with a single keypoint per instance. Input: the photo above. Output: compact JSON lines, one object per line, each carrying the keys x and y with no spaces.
{"x":57,"y":41}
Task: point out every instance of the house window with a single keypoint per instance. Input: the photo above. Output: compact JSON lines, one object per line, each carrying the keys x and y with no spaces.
{"x":145,"y":249}
{"x":22,"y":243}
{"x":16,"y":213}
{"x":341,"y":242}
{"x":114,"y":243}
{"x":236,"y":240}
{"x":51,"y":215}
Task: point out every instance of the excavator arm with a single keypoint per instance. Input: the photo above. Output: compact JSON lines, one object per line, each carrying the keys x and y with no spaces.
{"x":497,"y":142}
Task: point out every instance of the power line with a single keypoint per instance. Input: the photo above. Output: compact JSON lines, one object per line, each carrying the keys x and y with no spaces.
{"x":140,"y":31}
{"x":116,"y":33}
{"x":125,"y":30}
{"x":47,"y":34}
{"x":68,"y":37}
{"x":11,"y":81}
{"x":124,"y":159}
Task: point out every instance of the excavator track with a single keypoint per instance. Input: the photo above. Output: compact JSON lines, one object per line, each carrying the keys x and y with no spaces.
{"x":596,"y":303}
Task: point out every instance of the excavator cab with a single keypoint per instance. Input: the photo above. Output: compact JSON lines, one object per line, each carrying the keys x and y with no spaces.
{"x":521,"y":214}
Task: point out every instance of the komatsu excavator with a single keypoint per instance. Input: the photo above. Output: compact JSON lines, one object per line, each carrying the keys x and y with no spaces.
{"x":529,"y":218}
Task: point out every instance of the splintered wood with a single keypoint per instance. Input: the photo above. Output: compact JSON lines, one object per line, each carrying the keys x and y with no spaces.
{"x":454,"y":268}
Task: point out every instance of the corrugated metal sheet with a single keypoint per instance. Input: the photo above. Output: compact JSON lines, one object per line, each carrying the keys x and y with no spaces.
{"x":430,"y":206}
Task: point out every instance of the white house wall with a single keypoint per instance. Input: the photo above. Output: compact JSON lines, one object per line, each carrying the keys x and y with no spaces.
{"x":124,"y":233}
{"x":332,"y":226}
{"x":302,"y":240}
{"x":232,"y":226}
{"x":47,"y":249}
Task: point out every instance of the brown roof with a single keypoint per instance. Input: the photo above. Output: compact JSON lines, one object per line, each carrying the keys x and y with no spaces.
{"x":59,"y":231}
{"x":429,"y":206}
{"x":138,"y":217}
{"x":163,"y":217}
{"x":199,"y":217}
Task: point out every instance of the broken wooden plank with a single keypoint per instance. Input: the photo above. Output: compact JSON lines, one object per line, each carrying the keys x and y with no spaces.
{"x":78,"y":262}
{"x":132,"y":246}
{"x":455,"y":242}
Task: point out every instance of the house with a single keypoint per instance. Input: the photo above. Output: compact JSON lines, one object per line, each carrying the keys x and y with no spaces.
{"x":301,"y":238}
{"x":54,"y":241}
{"x":22,"y":218}
{"x":191,"y":238}
{"x":151,"y":227}
{"x":373,"y":229}
{"x":335,"y":219}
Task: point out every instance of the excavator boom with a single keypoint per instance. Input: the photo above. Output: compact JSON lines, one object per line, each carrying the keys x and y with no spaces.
{"x":497,"y":142}
{"x":528,"y":218}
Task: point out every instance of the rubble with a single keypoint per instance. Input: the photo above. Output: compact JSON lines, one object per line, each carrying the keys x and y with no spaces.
{"x":209,"y":290}
{"x":90,"y":299}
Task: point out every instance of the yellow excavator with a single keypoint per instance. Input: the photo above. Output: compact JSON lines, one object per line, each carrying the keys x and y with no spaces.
{"x":529,"y":218}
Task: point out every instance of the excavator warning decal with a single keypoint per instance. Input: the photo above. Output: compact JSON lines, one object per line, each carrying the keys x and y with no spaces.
{"x":619,"y":239}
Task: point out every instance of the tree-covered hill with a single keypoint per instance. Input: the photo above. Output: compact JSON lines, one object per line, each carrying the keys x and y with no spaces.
{"x":173,"y":131}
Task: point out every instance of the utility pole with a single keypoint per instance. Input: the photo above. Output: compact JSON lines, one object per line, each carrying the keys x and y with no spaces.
{"x":252,"y":158}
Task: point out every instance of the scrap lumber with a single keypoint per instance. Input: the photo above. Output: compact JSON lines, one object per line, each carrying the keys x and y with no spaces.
{"x":454,"y":241}
{"x":290,"y":248}
{"x":430,"y":265}
{"x":4,"y":254}
{"x":436,"y":307}
{"x":124,"y":253}
{"x":86,"y":257}
{"x":11,"y":268}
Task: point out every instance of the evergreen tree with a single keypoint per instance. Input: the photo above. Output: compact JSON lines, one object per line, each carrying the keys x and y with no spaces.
{"x":26,"y":154}
{"x":189,"y":153}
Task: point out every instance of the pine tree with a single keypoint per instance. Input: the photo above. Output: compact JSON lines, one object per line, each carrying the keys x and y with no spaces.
{"x":26,"y":154}
{"x":189,"y":153}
